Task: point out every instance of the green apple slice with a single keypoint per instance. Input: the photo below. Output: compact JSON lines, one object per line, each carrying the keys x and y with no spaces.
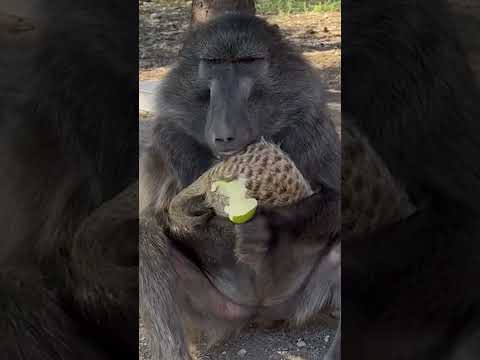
{"x":240,"y":209}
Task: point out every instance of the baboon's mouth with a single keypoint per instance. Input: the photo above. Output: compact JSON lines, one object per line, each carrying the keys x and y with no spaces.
{"x":225,"y":154}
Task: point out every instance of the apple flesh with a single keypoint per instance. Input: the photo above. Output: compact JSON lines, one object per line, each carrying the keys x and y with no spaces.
{"x":239,"y":208}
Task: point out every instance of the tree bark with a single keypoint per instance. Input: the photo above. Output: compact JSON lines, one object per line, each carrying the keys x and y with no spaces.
{"x":467,"y":21}
{"x":204,"y":10}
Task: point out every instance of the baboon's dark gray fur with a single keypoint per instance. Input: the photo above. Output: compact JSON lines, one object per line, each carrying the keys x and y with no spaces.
{"x":68,"y":150}
{"x":282,"y":265}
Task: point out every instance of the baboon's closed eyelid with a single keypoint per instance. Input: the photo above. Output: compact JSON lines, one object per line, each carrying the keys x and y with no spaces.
{"x":239,"y":60}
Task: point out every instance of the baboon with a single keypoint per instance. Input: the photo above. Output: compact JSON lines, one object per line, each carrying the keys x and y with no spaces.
{"x":237,"y":80}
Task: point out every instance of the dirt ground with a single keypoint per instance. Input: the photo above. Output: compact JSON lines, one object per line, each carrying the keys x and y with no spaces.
{"x":317,"y":35}
{"x":307,"y":343}
{"x":162,"y":26}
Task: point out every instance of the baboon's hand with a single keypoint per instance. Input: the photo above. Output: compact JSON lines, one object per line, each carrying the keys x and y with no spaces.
{"x":314,"y":220}
{"x":253,"y":240}
{"x":256,"y":237}
{"x":191,"y":215}
{"x":198,"y":212}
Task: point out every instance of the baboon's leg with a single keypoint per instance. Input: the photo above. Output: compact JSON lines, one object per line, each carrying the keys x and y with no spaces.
{"x":158,"y":305}
{"x":322,"y":292}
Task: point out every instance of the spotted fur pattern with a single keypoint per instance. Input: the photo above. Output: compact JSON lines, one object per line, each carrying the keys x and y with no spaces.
{"x":371,"y":197}
{"x":271,"y":177}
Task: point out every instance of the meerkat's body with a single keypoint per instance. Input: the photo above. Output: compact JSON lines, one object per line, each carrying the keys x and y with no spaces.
{"x":270,"y":177}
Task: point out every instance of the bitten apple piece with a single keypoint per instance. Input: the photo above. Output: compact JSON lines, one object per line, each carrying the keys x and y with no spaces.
{"x":239,"y":208}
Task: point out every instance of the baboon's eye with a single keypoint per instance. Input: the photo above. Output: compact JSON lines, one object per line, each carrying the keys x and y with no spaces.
{"x":203,"y":95}
{"x":244,"y":60}
{"x":247,"y":60}
{"x":258,"y":92}
{"x":214,"y":61}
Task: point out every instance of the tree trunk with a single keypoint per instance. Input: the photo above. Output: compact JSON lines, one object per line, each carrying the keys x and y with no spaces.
{"x":467,"y":20}
{"x":204,"y":10}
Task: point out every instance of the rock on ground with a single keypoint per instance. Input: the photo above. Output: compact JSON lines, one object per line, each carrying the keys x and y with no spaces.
{"x":308,"y":343}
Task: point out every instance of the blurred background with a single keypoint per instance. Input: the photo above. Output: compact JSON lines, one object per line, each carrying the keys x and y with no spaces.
{"x":314,"y":26}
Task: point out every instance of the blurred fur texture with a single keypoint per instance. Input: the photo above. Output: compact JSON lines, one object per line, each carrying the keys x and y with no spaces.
{"x":69,"y":149}
{"x":408,"y":289}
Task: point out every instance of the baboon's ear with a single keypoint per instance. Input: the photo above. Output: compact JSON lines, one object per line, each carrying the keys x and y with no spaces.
{"x":14,"y":24}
